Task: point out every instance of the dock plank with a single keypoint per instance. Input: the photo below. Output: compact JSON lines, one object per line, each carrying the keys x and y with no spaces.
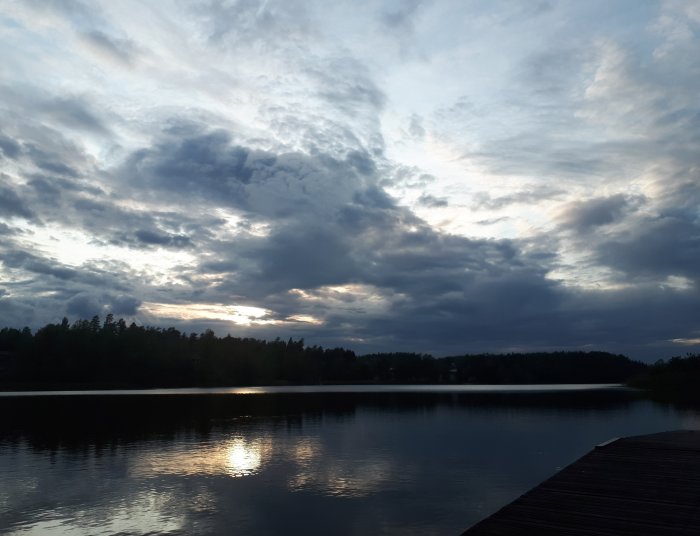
{"x":637,"y":486}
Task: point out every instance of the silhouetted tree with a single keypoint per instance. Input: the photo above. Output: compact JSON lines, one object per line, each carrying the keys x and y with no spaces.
{"x":110,"y":354}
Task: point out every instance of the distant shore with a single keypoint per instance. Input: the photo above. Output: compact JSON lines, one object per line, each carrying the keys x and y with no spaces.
{"x":103,"y":355}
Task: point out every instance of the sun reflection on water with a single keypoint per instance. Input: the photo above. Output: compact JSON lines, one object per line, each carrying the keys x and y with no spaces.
{"x":243,"y":459}
{"x":236,"y":457}
{"x":308,"y":464}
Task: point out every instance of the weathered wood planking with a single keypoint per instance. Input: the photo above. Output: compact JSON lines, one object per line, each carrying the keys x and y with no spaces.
{"x":637,"y":486}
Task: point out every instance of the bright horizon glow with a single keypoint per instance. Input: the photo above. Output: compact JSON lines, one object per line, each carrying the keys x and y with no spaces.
{"x":237,"y":314}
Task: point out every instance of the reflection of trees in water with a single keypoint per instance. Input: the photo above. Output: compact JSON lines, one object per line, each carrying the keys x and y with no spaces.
{"x":51,"y":422}
{"x":269,"y":463}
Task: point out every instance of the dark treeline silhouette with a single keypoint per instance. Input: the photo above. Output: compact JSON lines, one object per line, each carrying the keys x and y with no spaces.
{"x":677,"y":379}
{"x":549,"y":367}
{"x":92,"y":353}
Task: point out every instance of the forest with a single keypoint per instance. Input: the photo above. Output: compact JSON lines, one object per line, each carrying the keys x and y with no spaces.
{"x":111,"y":354}
{"x":677,"y":379}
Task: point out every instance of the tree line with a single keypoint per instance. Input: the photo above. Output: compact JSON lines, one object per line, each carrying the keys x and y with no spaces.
{"x":104,"y":354}
{"x":676,"y":379}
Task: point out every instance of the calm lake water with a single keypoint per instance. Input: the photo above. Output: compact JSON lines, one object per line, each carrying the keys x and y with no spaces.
{"x":338,"y":460}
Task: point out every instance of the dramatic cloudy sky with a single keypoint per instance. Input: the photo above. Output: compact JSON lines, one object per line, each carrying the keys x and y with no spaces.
{"x":435,"y":176}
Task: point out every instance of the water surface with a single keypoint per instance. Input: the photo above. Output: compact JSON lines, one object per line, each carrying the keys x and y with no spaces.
{"x":307,"y":460}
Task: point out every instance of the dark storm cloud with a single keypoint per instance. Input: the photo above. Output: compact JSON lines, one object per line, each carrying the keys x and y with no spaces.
{"x":373,"y":198}
{"x":362,"y":162}
{"x":71,"y":195}
{"x":42,"y":289}
{"x":16,"y":312}
{"x":49,"y":188}
{"x":309,"y":229}
{"x":524,"y":310}
{"x":482,"y":312}
{"x":14,"y":257}
{"x":304,"y":257}
{"x":466,"y":294}
{"x":201,"y":164}
{"x":358,"y":235}
{"x":208,"y":161}
{"x":6,"y":229}
{"x":664,"y":247}
{"x":9,"y":147}
{"x":50,"y":162}
{"x":12,"y":204}
{"x":585,"y":215}
{"x":425,"y":265}
{"x":85,"y":305}
{"x":159,"y":239}
{"x":447,"y":294}
{"x":330,"y":223}
{"x":194,"y":163}
{"x":371,"y":241}
{"x":78,"y":200}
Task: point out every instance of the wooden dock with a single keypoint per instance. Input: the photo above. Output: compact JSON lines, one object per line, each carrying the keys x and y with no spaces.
{"x":637,"y":486}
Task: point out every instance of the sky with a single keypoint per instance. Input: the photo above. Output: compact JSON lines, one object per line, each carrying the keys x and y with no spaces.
{"x":431,"y":176}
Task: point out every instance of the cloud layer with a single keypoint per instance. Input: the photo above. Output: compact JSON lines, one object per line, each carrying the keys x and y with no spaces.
{"x":441,"y":177}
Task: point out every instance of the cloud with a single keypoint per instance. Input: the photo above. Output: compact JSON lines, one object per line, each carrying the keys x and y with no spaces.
{"x":120,"y":51}
{"x":11,"y":204}
{"x":427,"y":200}
{"x":591,"y":213}
{"x":663,"y":247}
{"x":157,"y":157}
{"x":74,"y":112}
{"x":535,"y":195}
{"x":155,"y":238}
{"x":207,"y":165}
{"x":348,"y":86}
{"x":401,"y":17}
{"x":303,"y":257}
{"x":9,"y":147}
{"x":86,"y":305}
{"x":34,"y":264}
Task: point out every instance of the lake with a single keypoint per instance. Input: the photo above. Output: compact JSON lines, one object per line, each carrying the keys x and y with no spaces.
{"x":300,"y":460}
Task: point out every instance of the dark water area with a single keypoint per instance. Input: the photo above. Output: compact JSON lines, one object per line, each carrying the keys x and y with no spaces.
{"x":298,"y":461}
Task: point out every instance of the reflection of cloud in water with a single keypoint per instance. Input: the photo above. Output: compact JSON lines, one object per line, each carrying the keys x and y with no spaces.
{"x":337,"y":477}
{"x":144,"y":513}
{"x":236,"y":457}
{"x":19,"y":487}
